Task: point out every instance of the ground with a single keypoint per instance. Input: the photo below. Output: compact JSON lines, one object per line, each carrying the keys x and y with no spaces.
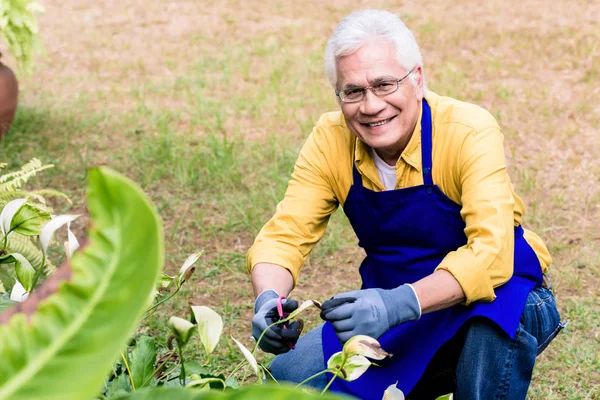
{"x":207,"y":103}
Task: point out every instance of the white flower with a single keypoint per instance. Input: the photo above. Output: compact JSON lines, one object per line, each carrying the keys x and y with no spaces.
{"x":18,"y":293}
{"x":365,"y":346}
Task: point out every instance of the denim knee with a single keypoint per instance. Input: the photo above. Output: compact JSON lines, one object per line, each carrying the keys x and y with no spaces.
{"x":489,"y":352}
{"x":541,"y":318}
{"x":304,"y":361}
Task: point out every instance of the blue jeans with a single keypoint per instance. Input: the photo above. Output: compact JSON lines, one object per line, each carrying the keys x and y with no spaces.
{"x":479,"y":362}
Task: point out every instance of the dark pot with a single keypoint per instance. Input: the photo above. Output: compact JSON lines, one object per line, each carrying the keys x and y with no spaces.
{"x":9,"y":93}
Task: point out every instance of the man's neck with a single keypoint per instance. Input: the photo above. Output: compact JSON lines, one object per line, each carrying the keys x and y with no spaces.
{"x":391,"y":156}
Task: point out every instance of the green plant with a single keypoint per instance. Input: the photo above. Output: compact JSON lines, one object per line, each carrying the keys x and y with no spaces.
{"x":21,"y":220}
{"x":75,"y":324}
{"x":19,"y":29}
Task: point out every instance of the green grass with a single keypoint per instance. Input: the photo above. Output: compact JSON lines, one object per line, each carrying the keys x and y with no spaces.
{"x":210,"y":121}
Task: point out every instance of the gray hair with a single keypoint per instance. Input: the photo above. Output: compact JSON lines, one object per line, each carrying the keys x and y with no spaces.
{"x":362,"y":26}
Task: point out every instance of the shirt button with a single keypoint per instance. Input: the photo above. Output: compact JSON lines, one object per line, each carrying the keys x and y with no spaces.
{"x":429,"y":190}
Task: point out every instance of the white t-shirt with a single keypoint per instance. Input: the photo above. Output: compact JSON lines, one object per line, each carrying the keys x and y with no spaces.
{"x":387,"y":173}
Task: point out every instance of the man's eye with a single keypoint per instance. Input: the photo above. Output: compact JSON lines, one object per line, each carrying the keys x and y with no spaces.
{"x":353,"y":92}
{"x":384,"y":86}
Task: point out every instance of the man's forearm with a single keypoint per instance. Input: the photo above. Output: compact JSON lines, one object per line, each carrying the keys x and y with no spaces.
{"x":270,"y":276}
{"x":438,"y":291}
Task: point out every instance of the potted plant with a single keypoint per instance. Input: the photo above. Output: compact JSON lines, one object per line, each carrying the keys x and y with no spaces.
{"x":19,"y":32}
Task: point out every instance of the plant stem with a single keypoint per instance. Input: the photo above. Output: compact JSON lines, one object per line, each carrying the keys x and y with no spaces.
{"x":128,"y":370}
{"x":160,"y":378}
{"x":266,"y":329}
{"x":182,"y":372}
{"x":38,"y":272}
{"x":335,"y":372}
{"x":237,"y":368}
{"x":330,"y":382}
{"x":314,"y":376}
{"x":158,"y":368}
{"x":265,"y":369}
{"x":151,"y":310}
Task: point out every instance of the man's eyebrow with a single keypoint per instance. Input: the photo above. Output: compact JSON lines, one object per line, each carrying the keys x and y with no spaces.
{"x":379,"y":79}
{"x":385,"y":78}
{"x":350,"y":86}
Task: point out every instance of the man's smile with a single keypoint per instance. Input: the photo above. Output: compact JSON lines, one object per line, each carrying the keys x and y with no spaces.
{"x":377,"y":123}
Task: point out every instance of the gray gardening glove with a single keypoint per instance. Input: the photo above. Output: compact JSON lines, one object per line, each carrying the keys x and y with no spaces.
{"x":370,"y":312}
{"x":279,"y":338}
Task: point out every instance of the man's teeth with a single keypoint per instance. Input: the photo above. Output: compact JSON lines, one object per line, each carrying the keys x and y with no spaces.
{"x":372,"y":124}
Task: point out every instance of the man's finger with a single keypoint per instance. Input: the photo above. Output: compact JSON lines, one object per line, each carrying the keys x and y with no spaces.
{"x":338,"y":313}
{"x":274,"y":347}
{"x":273,"y":334}
{"x":344,"y":325}
{"x":345,"y":336}
{"x":336,"y":302}
{"x":289,"y":305}
{"x":292,"y":333}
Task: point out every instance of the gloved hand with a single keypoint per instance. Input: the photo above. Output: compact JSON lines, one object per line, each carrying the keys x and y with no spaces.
{"x":370,"y":312}
{"x":280,"y":338}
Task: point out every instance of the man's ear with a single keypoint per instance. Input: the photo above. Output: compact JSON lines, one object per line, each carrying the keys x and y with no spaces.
{"x":418,"y":82}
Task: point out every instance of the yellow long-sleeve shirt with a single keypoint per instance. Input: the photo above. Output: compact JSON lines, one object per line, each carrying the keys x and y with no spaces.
{"x":468,"y":166}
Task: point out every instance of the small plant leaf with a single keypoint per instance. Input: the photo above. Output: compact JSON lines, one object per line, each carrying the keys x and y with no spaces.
{"x":29,"y":220}
{"x":304,"y":306}
{"x":210,"y":327}
{"x":186,"y":269}
{"x":365,"y":346}
{"x":23,"y":269}
{"x":142,"y":359}
{"x":393,"y":393}
{"x":8,"y":212}
{"x":164,"y":281}
{"x":336,"y":360}
{"x":204,"y":383}
{"x":182,"y":328}
{"x":250,"y":358}
{"x":355,"y":366}
{"x":350,"y":368}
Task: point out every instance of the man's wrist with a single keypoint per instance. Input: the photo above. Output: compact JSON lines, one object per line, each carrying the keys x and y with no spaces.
{"x":416,"y":298}
{"x":402,"y":304}
{"x":263,"y":297}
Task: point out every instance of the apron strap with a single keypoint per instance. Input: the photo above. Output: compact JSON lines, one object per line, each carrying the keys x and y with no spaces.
{"x":356,"y":175}
{"x":426,"y":146}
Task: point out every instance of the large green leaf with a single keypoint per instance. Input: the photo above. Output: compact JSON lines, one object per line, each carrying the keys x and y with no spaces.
{"x":262,"y":392}
{"x":62,"y":341}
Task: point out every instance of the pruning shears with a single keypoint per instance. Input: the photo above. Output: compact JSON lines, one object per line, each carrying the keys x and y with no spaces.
{"x":290,"y":331}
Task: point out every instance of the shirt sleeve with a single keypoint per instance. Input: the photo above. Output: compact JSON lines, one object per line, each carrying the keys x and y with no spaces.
{"x":302,"y":216}
{"x":486,"y":261}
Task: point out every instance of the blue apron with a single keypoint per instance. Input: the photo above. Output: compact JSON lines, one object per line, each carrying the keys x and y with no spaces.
{"x":406,"y":233}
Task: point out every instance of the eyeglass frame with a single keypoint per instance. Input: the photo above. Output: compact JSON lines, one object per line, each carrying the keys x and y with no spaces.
{"x":341,"y":94}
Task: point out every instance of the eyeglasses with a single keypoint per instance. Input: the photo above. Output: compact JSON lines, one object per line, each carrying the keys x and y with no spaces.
{"x":379,"y":89}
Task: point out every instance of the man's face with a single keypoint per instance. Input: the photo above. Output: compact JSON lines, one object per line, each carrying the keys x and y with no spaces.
{"x":383,"y":123}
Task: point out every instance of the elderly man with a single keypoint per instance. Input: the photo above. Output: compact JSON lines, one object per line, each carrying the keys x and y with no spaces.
{"x":452,"y":284}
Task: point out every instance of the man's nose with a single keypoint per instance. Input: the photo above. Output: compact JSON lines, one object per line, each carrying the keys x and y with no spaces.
{"x":372,"y":104}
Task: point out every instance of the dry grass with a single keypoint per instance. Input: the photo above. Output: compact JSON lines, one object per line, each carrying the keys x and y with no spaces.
{"x":142,"y":86}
